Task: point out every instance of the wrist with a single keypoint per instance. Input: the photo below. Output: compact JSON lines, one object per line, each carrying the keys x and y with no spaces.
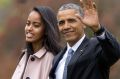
{"x":96,"y":28}
{"x":99,"y":31}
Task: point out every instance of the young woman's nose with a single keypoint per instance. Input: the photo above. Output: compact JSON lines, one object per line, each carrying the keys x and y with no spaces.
{"x":30,"y":27}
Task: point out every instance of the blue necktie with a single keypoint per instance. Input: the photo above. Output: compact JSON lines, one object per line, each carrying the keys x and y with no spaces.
{"x":70,"y":53}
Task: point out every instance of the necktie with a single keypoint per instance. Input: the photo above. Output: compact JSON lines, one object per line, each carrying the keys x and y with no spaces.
{"x":70,"y":53}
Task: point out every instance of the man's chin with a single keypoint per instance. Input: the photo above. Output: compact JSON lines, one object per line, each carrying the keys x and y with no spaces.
{"x":69,"y":39}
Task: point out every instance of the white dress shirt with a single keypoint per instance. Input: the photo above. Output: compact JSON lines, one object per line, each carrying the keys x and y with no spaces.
{"x":60,"y":68}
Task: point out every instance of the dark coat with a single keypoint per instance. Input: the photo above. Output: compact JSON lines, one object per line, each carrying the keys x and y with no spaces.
{"x":92,"y":59}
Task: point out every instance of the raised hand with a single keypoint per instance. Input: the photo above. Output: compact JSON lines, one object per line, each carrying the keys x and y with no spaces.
{"x":90,"y":18}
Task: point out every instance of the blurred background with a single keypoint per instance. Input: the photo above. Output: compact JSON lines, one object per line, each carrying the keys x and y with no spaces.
{"x":13,"y":15}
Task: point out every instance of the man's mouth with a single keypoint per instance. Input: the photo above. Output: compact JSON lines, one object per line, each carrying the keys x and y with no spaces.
{"x":67,"y":32}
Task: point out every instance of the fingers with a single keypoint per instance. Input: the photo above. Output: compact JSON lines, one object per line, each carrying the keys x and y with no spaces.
{"x":87,"y":4}
{"x":82,"y":4}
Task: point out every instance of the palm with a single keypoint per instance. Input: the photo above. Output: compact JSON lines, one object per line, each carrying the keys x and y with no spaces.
{"x":90,"y":17}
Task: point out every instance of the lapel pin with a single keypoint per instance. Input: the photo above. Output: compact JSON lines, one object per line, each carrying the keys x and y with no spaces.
{"x":81,"y":50}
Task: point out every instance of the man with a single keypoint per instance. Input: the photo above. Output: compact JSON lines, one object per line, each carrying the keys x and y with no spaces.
{"x":90,"y":58}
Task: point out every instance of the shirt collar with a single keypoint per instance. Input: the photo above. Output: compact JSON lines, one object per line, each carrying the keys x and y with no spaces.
{"x":40,"y":53}
{"x":76,"y":45}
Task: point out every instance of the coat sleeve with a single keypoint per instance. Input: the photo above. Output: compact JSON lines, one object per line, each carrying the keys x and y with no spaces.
{"x":110,"y":52}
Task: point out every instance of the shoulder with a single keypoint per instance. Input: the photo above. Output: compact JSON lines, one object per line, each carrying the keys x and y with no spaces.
{"x":22,"y":53}
{"x":93,"y":42}
{"x":49,"y":53}
{"x":94,"y":39}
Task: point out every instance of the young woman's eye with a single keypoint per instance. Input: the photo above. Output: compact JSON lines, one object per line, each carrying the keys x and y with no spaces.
{"x":37,"y":24}
{"x":27,"y":23}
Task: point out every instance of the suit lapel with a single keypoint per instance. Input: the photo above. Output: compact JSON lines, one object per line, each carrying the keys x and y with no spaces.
{"x":79,"y":51}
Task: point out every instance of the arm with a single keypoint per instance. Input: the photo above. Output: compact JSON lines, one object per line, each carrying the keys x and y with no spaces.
{"x":110,"y":47}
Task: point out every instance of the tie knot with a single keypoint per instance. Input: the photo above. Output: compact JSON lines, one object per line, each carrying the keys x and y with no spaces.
{"x":70,"y":51}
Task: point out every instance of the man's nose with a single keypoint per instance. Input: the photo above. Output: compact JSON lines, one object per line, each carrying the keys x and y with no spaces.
{"x":67,"y":25}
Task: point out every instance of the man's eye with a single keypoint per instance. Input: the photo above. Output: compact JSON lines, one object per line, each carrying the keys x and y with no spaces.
{"x":60,"y":23}
{"x":71,"y":20}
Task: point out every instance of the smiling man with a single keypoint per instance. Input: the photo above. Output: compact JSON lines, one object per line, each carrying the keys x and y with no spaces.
{"x":83,"y":57}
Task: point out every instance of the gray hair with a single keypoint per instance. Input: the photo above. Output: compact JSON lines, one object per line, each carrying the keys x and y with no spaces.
{"x":72,"y":6}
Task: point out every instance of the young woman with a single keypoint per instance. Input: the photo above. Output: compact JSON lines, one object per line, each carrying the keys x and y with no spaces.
{"x":42,"y":37}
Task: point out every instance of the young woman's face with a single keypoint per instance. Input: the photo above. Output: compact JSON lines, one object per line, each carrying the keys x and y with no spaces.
{"x":34,"y":29}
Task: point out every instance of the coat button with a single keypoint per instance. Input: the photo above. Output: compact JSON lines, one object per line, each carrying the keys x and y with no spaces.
{"x":27,"y":77}
{"x":32,"y":59}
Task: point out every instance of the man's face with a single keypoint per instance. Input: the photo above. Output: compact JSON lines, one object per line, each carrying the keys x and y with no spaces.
{"x":70,"y":25}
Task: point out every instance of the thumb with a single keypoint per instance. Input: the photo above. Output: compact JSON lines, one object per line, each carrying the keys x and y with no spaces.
{"x":79,"y":17}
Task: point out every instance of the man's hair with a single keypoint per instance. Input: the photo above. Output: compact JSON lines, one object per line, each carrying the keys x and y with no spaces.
{"x":72,"y":6}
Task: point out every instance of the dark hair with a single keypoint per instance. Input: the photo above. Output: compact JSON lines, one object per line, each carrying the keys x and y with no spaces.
{"x":52,"y":36}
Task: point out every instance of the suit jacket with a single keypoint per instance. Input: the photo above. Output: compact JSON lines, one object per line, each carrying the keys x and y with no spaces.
{"x":92,"y":59}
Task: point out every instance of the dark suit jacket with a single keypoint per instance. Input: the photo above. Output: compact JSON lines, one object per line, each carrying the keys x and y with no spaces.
{"x":92,"y":60}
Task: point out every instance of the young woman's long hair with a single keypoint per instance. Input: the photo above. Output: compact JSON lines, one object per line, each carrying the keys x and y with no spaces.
{"x":51,"y":36}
